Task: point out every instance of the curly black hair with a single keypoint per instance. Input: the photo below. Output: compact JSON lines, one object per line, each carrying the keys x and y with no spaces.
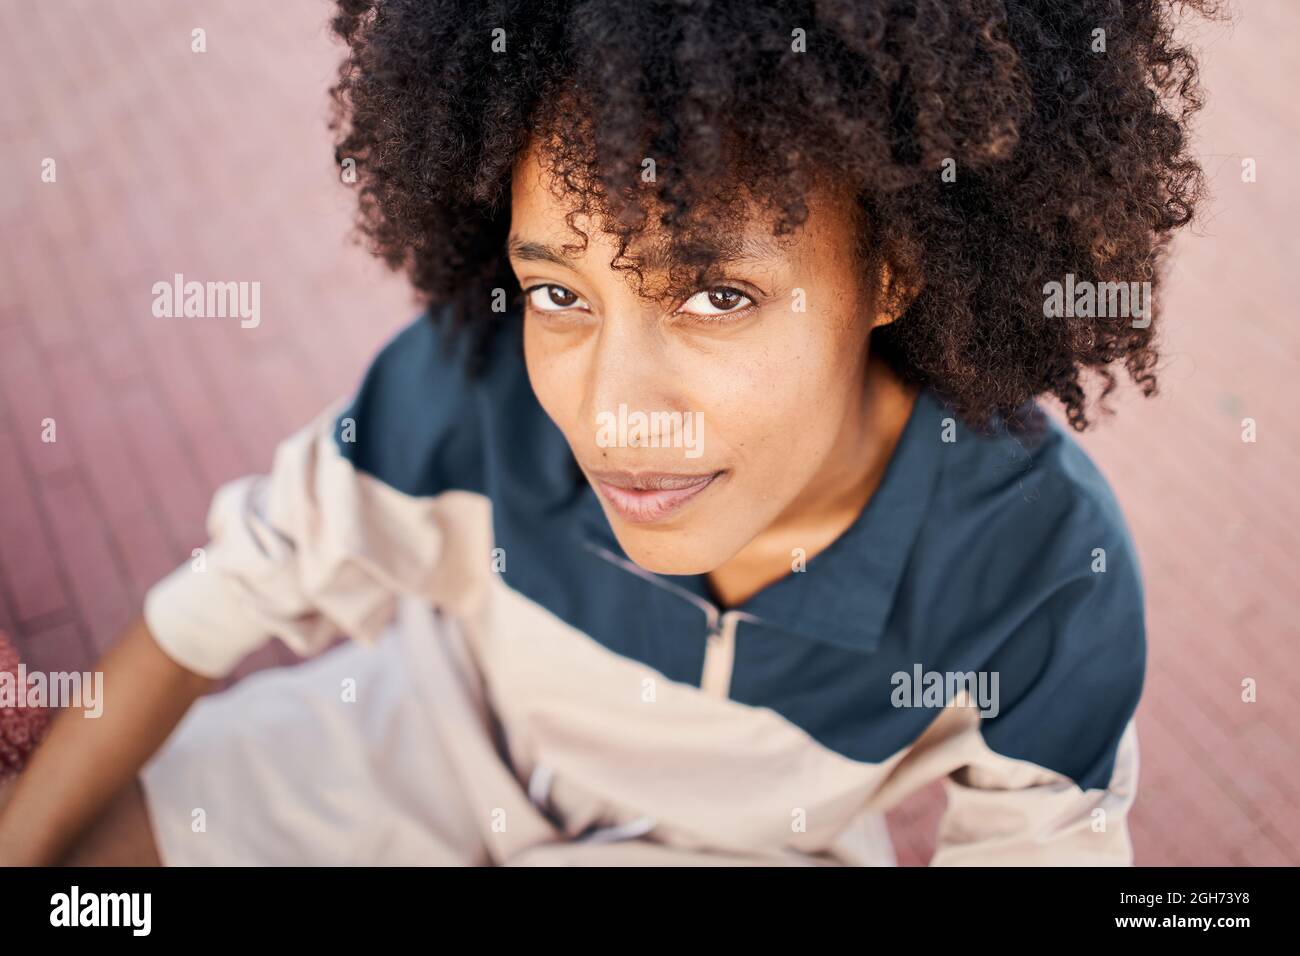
{"x":1064,"y":121}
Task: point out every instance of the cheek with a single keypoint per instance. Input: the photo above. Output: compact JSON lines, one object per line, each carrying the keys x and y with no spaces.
{"x":780,"y":406}
{"x":554,"y":383}
{"x":762,"y":406}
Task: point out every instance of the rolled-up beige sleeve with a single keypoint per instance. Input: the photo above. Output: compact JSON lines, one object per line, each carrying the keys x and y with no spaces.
{"x":1006,"y":812}
{"x":310,"y":551}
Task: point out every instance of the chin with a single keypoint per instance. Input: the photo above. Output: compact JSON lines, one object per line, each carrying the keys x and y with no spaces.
{"x":671,"y":552}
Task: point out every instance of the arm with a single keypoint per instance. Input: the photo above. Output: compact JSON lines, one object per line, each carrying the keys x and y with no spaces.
{"x":284,"y":559}
{"x":1050,"y":779}
{"x":298,"y":554}
{"x":1004,"y":812}
{"x":84,"y":762}
{"x":315,"y":549}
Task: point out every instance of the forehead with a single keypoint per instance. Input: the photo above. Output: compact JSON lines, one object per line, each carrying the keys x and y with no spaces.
{"x":542,"y":212}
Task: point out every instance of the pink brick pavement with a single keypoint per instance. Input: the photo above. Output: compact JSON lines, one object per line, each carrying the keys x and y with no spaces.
{"x":218,"y":165}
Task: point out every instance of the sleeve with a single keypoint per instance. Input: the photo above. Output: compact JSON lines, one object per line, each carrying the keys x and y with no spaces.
{"x":1050,"y":778}
{"x":324,"y":544}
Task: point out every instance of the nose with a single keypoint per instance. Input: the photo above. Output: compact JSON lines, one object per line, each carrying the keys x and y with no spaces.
{"x":629,"y":371}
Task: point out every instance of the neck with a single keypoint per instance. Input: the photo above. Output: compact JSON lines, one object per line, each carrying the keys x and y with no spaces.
{"x":833,"y":499}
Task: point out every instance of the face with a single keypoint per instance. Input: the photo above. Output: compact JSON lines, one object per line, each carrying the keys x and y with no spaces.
{"x":704,"y":421}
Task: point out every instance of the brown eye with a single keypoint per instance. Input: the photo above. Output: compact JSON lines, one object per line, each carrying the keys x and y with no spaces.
{"x":561,"y":296}
{"x":724,"y":299}
{"x":716,"y":302}
{"x":552,"y":298}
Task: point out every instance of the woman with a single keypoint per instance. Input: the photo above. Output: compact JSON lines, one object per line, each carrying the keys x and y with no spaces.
{"x":708,"y":511}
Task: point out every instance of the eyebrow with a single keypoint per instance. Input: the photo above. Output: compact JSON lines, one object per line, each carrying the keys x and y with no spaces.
{"x":658,"y":259}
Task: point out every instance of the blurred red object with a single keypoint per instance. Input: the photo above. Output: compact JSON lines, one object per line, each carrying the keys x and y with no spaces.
{"x":21,"y":728}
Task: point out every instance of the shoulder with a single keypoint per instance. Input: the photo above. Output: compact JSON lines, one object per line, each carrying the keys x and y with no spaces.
{"x":422,"y":418}
{"x":1049,"y":593}
{"x":1034,"y":510}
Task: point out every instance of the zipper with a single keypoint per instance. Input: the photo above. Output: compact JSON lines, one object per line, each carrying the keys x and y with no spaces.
{"x":719,"y":657}
{"x":715,"y":681}
{"x":720,"y":642}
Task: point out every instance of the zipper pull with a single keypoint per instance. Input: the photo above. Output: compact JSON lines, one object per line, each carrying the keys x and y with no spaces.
{"x":719,"y":649}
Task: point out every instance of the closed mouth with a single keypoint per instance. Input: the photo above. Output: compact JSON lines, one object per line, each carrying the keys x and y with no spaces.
{"x":647,"y":497}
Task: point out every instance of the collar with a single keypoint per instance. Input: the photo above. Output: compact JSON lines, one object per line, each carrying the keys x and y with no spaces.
{"x":845,"y":594}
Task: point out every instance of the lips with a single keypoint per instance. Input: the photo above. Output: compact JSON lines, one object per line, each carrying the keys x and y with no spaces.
{"x":646,"y":497}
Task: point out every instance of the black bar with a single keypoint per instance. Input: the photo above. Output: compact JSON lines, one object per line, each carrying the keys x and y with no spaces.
{"x":300,"y":906}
